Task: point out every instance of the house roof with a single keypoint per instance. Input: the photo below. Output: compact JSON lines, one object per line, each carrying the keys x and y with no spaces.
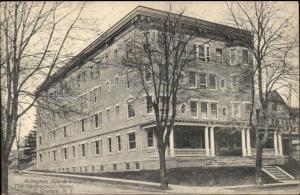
{"x":274,"y":96}
{"x":108,"y":36}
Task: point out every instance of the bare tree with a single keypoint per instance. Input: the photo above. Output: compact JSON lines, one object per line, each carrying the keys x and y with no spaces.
{"x":157,"y":55}
{"x":33,"y":36}
{"x":273,"y":68}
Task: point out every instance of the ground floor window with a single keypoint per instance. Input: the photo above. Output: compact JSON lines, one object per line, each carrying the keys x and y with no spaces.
{"x":228,"y":142}
{"x":150,"y":138}
{"x":132,"y":143}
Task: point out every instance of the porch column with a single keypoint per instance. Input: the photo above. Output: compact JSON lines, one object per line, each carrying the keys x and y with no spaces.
{"x":248,"y":142}
{"x":172,"y":143}
{"x":212,"y":141}
{"x":280,"y":144}
{"x":275,"y":143}
{"x":206,"y":141}
{"x":243,"y":142}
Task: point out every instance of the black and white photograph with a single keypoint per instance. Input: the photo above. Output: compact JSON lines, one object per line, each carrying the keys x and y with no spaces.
{"x":149,"y":97}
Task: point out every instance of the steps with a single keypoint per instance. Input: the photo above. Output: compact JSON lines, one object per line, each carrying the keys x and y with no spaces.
{"x":277,"y":173}
{"x":235,"y":161}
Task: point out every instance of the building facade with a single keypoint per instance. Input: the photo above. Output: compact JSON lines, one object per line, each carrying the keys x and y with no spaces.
{"x":94,"y":122}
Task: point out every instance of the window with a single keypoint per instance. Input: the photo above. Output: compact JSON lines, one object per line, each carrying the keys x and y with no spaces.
{"x":192,"y":79}
{"x":127,"y":82}
{"x":115,"y":52}
{"x":137,"y":165}
{"x":219,"y":55}
{"x":212,"y":81}
{"x":119,"y":143}
{"x":245,"y":56}
{"x":202,"y":78}
{"x":235,"y":83}
{"x":65,"y":131}
{"x":108,"y":114}
{"x":40,"y":138}
{"x":107,"y":85}
{"x":222,"y":83}
{"x":127,"y":166}
{"x":132,"y":143}
{"x":117,"y":111}
{"x":83,"y":150}
{"x":236,"y":110}
{"x":83,"y":76}
{"x":100,"y":118}
{"x":203,"y":53}
{"x":115,"y":167}
{"x":96,"y":119}
{"x":95,"y":95}
{"x":214,"y":110}
{"x":41,"y":158}
{"x":97,"y":147}
{"x":233,"y":56}
{"x":65,"y":153}
{"x":129,"y":49}
{"x":194,"y":108}
{"x":116,"y":81}
{"x":54,"y":155}
{"x":150,"y":138}
{"x":130,"y":109}
{"x":204,"y":109}
{"x":149,"y":104}
{"x":109,"y":145}
{"x":74,"y":151}
{"x":83,"y":125}
{"x":54,"y":135}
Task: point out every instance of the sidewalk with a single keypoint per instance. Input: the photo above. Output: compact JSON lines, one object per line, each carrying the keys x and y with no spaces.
{"x":174,"y":189}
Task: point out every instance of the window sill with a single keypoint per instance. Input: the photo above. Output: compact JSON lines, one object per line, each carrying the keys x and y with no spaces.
{"x":132,"y":150}
{"x":130,"y":118}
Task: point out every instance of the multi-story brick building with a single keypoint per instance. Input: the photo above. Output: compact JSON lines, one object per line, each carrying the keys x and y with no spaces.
{"x":113,"y":132}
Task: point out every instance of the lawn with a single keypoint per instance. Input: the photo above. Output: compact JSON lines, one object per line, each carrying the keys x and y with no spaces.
{"x":193,"y":176}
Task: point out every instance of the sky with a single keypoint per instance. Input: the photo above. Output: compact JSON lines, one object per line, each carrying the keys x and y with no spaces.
{"x":103,"y":14}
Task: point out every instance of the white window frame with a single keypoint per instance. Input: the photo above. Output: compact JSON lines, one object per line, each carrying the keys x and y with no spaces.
{"x":108,"y":118}
{"x":109,"y":138}
{"x":135,"y":140}
{"x":196,"y":79}
{"x":239,"y":109}
{"x":232,"y":82}
{"x":117,"y":113}
{"x":222,"y":54}
{"x":117,"y":79}
{"x":127,"y":102}
{"x":117,"y":143}
{"x":207,"y":109}
{"x":197,"y":105}
{"x":109,"y":87}
{"x":246,"y":64}
{"x":205,"y":45}
{"x":236,"y":56}
{"x":208,"y":81}
{"x":154,"y":145}
{"x":210,"y":112}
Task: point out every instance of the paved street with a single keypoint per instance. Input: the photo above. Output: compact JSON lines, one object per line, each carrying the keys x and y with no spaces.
{"x":37,"y":184}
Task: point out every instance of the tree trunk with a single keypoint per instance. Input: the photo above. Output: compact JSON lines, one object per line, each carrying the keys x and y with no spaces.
{"x":258,"y":171}
{"x":4,"y":174}
{"x":163,"y":170}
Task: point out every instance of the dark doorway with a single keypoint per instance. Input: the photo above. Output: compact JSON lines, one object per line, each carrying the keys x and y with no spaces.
{"x":228,"y":142}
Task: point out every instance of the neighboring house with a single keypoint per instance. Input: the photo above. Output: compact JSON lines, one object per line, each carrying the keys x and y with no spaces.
{"x":286,"y":120}
{"x":114,"y":132}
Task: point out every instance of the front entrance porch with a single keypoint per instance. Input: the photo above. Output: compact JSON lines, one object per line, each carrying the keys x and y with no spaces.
{"x":212,"y":141}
